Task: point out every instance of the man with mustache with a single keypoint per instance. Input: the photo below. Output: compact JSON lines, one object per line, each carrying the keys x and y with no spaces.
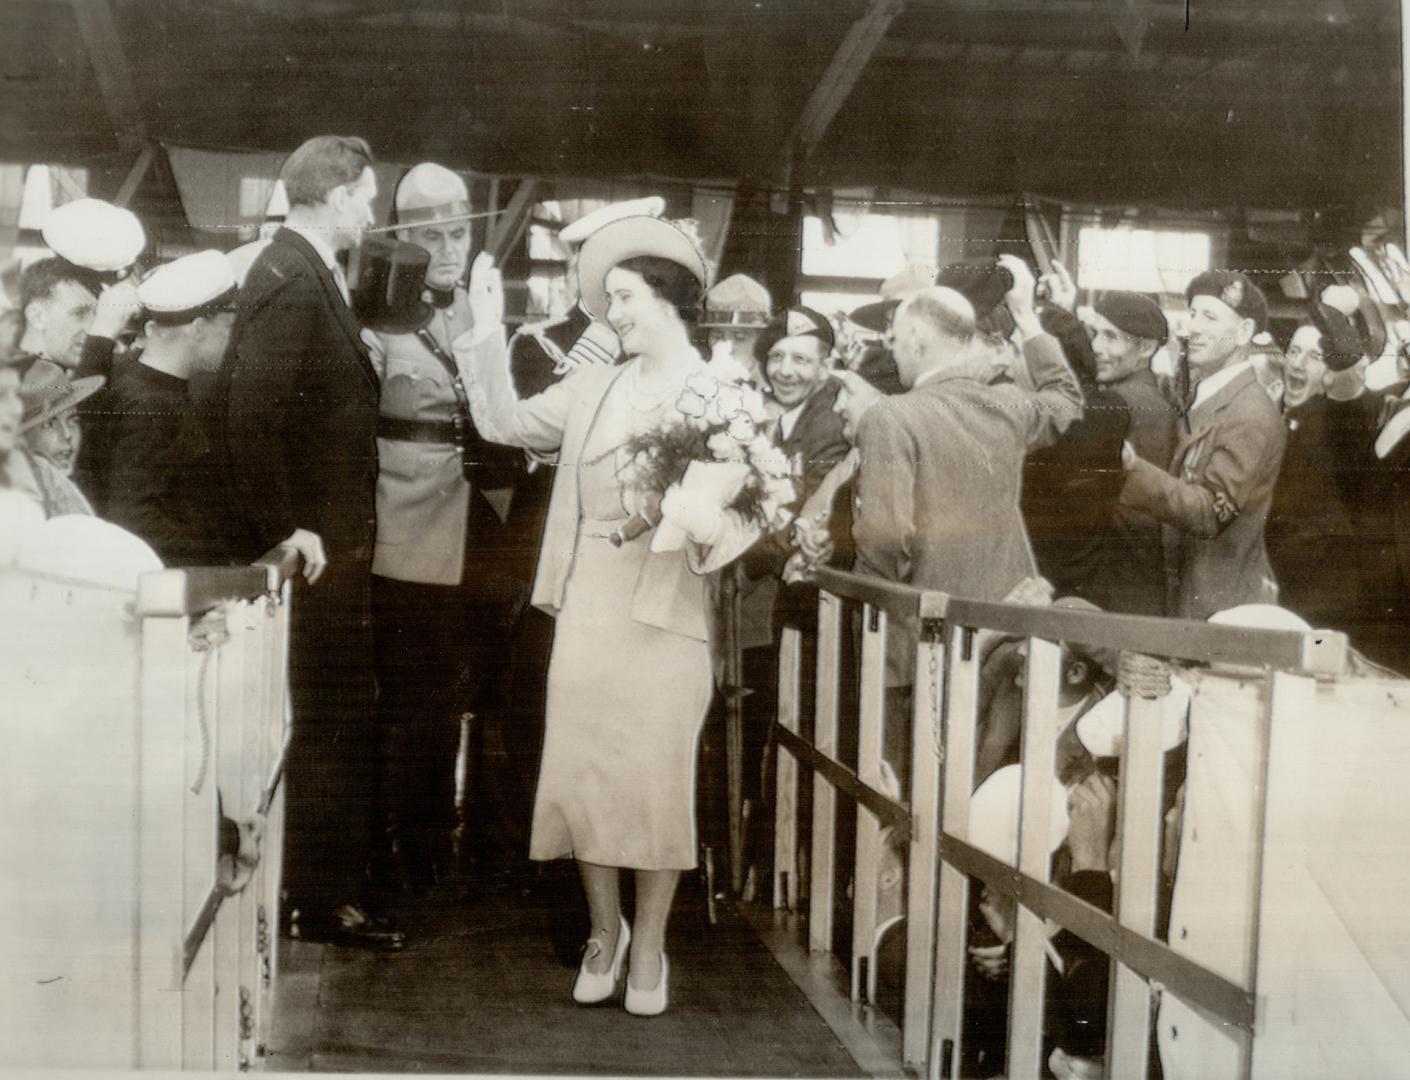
{"x":1215,"y":497}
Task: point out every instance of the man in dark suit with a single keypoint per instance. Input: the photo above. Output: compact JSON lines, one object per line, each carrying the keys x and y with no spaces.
{"x":297,"y":404}
{"x":1128,"y":328}
{"x":1214,"y":499}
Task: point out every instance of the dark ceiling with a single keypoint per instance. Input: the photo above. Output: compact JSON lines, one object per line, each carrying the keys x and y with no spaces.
{"x":1265,"y":103}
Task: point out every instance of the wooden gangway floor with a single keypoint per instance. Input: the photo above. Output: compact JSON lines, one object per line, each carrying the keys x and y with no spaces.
{"x":479,"y":990}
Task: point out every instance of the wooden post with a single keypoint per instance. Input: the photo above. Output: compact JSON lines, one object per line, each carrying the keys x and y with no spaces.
{"x":734,"y":725}
{"x":1030,"y":962}
{"x":786,"y":797}
{"x":952,"y":928}
{"x":927,"y":751}
{"x":869,"y":755}
{"x":824,"y":861}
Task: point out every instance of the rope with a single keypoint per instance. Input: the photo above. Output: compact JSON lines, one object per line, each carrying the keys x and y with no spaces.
{"x":1138,"y":675}
{"x":206,"y":637}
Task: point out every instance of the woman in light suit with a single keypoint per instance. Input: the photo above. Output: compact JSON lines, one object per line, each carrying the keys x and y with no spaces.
{"x":630,"y":676}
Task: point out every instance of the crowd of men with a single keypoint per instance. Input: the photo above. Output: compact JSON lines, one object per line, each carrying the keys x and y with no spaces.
{"x":990,"y":440}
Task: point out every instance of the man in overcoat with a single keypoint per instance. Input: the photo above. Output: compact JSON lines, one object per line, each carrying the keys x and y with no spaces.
{"x":296,"y":401}
{"x":1214,"y":498}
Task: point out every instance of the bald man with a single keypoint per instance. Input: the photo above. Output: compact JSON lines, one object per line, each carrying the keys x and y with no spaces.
{"x":937,"y":493}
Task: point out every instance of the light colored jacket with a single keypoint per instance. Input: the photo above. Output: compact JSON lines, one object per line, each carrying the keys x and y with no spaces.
{"x":422,"y":494}
{"x":671,"y":591}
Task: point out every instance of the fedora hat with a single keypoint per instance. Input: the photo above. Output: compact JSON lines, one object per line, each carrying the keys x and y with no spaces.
{"x":629,"y":238}
{"x":906,"y":282}
{"x":47,"y":391}
{"x":386,"y":281}
{"x":430,"y":194}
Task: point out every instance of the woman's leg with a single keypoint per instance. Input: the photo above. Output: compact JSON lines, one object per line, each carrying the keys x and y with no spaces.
{"x":655,"y":889}
{"x":605,"y":908}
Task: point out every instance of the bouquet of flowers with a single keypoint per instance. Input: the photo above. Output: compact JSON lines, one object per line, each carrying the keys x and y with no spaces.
{"x":715,"y":454}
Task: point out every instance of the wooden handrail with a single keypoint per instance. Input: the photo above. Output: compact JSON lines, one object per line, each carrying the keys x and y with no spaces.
{"x":197,"y":589}
{"x":1314,"y":652}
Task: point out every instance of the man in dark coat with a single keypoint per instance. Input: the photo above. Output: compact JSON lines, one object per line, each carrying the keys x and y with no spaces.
{"x":1128,"y":330}
{"x":152,"y":474}
{"x":297,"y":399}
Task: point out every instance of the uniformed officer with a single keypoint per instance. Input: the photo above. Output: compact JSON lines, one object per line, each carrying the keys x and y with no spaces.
{"x":447,"y":575}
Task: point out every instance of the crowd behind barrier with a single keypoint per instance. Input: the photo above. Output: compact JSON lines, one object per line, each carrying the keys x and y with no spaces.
{"x":1234,"y":944}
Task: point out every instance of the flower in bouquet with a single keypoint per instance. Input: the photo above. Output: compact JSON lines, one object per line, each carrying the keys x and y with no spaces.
{"x":717,"y":421}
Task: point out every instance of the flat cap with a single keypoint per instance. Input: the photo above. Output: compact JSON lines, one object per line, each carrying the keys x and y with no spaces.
{"x":1135,"y":314}
{"x":738,"y":300}
{"x":189,"y":287}
{"x":1234,"y":291}
{"x":95,"y":235}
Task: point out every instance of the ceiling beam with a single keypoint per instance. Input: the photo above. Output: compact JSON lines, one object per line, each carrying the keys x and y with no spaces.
{"x":99,"y":32}
{"x":837,"y":82}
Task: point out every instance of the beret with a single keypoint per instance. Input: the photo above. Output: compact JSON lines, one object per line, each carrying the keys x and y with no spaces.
{"x":1347,"y":336}
{"x":1234,"y":291}
{"x":1135,"y":314}
{"x":795,"y":322}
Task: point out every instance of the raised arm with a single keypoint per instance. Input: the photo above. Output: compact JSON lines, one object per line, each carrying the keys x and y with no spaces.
{"x":1056,"y":396}
{"x":535,"y":423}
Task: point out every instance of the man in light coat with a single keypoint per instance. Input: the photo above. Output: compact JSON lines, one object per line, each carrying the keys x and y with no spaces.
{"x":937,"y":503}
{"x":448,"y":573}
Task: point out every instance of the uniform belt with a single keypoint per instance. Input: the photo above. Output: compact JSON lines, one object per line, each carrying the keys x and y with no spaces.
{"x":420,"y":431}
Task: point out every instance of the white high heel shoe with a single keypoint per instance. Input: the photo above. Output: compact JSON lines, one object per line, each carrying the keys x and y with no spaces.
{"x":589,"y":988}
{"x":649,"y":1002}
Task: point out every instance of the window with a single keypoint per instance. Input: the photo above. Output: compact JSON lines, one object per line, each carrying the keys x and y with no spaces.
{"x":1141,"y":260}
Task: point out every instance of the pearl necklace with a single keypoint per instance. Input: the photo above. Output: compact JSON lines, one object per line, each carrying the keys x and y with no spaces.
{"x":640,"y":397}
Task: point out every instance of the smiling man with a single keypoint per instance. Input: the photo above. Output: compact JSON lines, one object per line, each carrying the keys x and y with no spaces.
{"x":1214,"y":499}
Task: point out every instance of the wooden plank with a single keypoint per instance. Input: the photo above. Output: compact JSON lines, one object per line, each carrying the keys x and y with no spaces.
{"x":790,"y":674}
{"x":824,"y":859}
{"x":136,"y":175}
{"x":841,"y":75}
{"x":510,"y":226}
{"x":110,"y":68}
{"x":867,"y":869}
{"x":161,"y":828}
{"x":786,"y":805}
{"x":952,"y":927}
{"x":884,"y":595}
{"x":734,"y":728}
{"x":926,"y":754}
{"x":1139,"y":827}
{"x":1030,"y":962}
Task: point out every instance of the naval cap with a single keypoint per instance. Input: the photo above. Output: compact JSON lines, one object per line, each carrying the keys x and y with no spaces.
{"x":95,"y":235}
{"x":189,"y":287}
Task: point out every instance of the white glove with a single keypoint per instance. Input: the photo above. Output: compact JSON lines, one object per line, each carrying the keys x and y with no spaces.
{"x":698,"y":519}
{"x":486,"y":293}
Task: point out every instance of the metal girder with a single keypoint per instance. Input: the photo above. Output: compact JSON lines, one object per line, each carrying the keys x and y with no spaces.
{"x":838,"y":80}
{"x":110,"y":68}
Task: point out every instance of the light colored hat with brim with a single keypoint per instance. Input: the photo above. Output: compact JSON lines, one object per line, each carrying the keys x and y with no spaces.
{"x":737,"y":302}
{"x":578,"y":231}
{"x":905,"y":283}
{"x":187,"y":288}
{"x":630,"y":238}
{"x":47,"y":391}
{"x":1101,"y":729}
{"x":430,"y":194}
{"x":993,"y":815}
{"x":95,"y":235}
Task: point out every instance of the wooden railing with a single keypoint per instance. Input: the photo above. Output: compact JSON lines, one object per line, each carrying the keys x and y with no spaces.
{"x":144,"y":816}
{"x":941,"y":863}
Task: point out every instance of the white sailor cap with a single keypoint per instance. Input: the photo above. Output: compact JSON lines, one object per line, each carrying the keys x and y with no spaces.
{"x":585,"y":226}
{"x":189,"y":287}
{"x":993,"y":815}
{"x":1102,"y":728}
{"x":95,"y":235}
